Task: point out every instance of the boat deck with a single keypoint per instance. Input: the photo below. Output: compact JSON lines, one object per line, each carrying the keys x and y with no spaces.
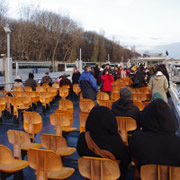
{"x":69,"y":161}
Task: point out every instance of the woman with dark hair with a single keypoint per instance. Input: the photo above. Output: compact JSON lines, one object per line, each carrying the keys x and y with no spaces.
{"x":157,"y":142}
{"x":102,"y":130}
{"x":31,"y":82}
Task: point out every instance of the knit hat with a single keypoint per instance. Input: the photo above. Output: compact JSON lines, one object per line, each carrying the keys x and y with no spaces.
{"x":125,"y":93}
{"x":157,"y":95}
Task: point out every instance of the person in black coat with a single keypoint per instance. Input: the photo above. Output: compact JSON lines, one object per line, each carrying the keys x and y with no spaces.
{"x":75,"y":76}
{"x":157,"y":142}
{"x":102,"y":127}
{"x":125,"y":107}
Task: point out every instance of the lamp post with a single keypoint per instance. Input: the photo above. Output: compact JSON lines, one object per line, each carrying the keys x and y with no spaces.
{"x":8,"y":63}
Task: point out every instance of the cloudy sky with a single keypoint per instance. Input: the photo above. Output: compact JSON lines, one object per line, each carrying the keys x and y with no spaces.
{"x":149,"y":25}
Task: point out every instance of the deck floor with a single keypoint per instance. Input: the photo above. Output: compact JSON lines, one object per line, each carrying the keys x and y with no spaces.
{"x":69,"y":161}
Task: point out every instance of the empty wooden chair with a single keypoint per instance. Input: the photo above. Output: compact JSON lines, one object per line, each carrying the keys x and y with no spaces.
{"x":63,"y":92}
{"x":20,"y":141}
{"x":48,"y":165}
{"x":159,"y":172}
{"x":65,"y":104}
{"x":126,"y":124}
{"x":32,"y":123}
{"x":53,"y":91}
{"x":83,"y":117}
{"x":62,"y":121}
{"x":139,"y":104}
{"x":3,"y":102}
{"x":102,"y":96}
{"x":7,"y":162}
{"x":98,"y":168}
{"x":86,"y":105}
{"x":76,"y":89}
{"x":115,"y":95}
{"x":57,"y":144}
{"x":55,"y":85}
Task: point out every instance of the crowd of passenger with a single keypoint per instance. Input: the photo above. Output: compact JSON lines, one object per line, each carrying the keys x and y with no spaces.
{"x":154,"y":142}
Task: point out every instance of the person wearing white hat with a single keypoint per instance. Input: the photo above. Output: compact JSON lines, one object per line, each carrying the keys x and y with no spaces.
{"x":18,"y":82}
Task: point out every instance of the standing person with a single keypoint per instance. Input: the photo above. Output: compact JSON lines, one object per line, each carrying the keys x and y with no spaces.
{"x":157,"y":142}
{"x":125,"y":107}
{"x":107,"y":79}
{"x":102,"y":134}
{"x":47,"y":79}
{"x":18,"y":82}
{"x":76,"y":75}
{"x":159,"y":83}
{"x":31,"y":82}
{"x":88,"y":84}
{"x":96,"y":73}
{"x":116,"y":73}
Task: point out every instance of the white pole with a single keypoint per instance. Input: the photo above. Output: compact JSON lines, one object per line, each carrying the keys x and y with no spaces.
{"x":108,"y":58}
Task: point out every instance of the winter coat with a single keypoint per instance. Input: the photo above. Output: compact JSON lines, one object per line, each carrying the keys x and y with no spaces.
{"x":47,"y":79}
{"x":159,"y":84}
{"x":107,"y":80}
{"x":32,"y":83}
{"x":88,"y":85}
{"x":157,"y":143}
{"x":126,"y":108}
{"x":102,"y":126}
{"x":75,"y":77}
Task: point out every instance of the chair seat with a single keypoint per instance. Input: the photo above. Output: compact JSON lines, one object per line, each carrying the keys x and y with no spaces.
{"x":13,"y":166}
{"x":33,"y":145}
{"x":62,"y":174}
{"x":68,"y":129}
{"x":66,"y":151}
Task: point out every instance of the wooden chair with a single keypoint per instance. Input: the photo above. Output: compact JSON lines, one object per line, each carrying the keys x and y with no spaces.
{"x":40,"y":89}
{"x":159,"y":172}
{"x":62,"y":121}
{"x":125,"y":124}
{"x":102,"y":96}
{"x":63,"y":92}
{"x":45,"y":85}
{"x":65,"y":104}
{"x":53,"y":91}
{"x":106,"y":103}
{"x":18,"y":88}
{"x":76,"y":89}
{"x":7,"y":162}
{"x":115,"y":95}
{"x":86,"y":105}
{"x":3,"y":103}
{"x":139,"y":104}
{"x":48,"y":165}
{"x":46,"y":98}
{"x":83,"y":117}
{"x":98,"y":168}
{"x":55,"y":85}
{"x":32,"y":123}
{"x":28,"y":89}
{"x":57,"y":144}
{"x":20,"y":141}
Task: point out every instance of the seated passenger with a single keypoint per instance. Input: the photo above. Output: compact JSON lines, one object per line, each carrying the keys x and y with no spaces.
{"x":101,"y":129}
{"x":125,"y":107}
{"x":18,"y":83}
{"x":157,"y":143}
{"x":31,"y":82}
{"x":46,"y":79}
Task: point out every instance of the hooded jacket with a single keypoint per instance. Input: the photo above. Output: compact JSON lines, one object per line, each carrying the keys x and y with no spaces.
{"x":159,"y":83}
{"x":124,"y":107}
{"x":103,"y":129}
{"x":157,"y":143}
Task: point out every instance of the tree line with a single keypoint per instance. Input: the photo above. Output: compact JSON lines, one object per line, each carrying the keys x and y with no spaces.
{"x":41,"y":35}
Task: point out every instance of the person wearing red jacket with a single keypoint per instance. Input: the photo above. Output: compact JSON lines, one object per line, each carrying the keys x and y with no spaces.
{"x":107,"y":79}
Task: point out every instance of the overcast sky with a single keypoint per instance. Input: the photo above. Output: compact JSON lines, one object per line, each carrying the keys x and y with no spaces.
{"x":145,"y":24}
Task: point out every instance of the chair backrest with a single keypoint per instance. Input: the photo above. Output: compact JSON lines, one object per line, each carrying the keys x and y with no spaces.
{"x":86,"y":105}
{"x":45,"y":85}
{"x":125,"y":124}
{"x":40,"y":89}
{"x":106,"y":103}
{"x":139,"y":104}
{"x":60,"y":120}
{"x":102,"y":96}
{"x":44,"y":161}
{"x":6,"y":155}
{"x":18,"y":139}
{"x":76,"y":89}
{"x":55,"y":85}
{"x":18,"y":88}
{"x":65,"y":104}
{"x":98,"y":168}
{"x":32,"y":123}
{"x":83,"y":117}
{"x":53,"y":142}
{"x":3,"y":102}
{"x":160,"y":172}
{"x":28,"y":89}
{"x":63,"y":92}
{"x":115,"y":95}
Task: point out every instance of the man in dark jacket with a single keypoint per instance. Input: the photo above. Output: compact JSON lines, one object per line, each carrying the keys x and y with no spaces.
{"x":125,"y":107}
{"x":88,"y":84}
{"x":31,"y":82}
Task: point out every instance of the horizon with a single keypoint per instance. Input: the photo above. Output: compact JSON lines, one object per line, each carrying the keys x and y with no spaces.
{"x":147,"y":26}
